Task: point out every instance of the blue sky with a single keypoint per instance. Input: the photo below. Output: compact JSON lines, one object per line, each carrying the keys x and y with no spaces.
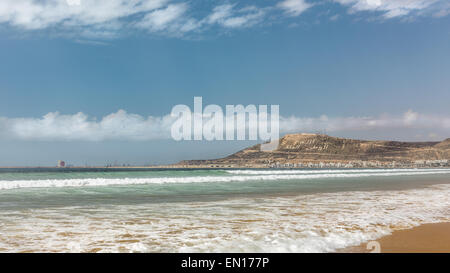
{"x":335,"y":64}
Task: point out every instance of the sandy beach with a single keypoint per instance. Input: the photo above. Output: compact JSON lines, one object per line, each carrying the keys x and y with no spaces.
{"x":428,"y":238}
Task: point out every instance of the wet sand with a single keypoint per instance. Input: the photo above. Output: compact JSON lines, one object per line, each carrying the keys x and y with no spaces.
{"x":428,"y":238}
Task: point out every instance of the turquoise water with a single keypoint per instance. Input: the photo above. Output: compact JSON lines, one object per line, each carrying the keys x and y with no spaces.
{"x":214,"y":210}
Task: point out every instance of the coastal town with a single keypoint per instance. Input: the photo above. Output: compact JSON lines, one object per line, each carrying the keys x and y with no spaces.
{"x":357,"y":164}
{"x":365,"y":164}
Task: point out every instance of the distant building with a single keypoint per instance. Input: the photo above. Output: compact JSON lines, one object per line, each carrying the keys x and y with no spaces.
{"x":61,"y":164}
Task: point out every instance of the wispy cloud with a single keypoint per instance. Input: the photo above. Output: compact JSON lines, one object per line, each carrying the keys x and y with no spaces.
{"x":107,"y":19}
{"x":164,"y":18}
{"x":31,"y":14}
{"x":442,"y":11}
{"x":294,"y":7}
{"x":132,"y":127}
{"x":244,"y":17}
{"x":220,"y":13}
{"x":390,"y":8}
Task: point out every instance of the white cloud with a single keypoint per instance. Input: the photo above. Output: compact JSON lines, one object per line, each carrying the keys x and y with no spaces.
{"x":251,"y":17}
{"x":106,"y":19}
{"x":220,"y":13}
{"x":227,"y":16}
{"x":409,"y":120}
{"x":410,"y":117}
{"x":125,"y":126}
{"x":294,"y":7}
{"x":389,"y":8}
{"x":162,"y":18}
{"x":116,"y":126}
{"x":31,"y":14}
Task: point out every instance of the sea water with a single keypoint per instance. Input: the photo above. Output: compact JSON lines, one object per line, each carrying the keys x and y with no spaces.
{"x":101,"y":210}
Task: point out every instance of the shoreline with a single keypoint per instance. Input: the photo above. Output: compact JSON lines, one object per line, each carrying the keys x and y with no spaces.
{"x":426,"y":238}
{"x":203,"y":167}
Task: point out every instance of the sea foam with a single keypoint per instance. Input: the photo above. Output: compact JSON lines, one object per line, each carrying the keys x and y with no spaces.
{"x":320,"y":222}
{"x":234,"y":176}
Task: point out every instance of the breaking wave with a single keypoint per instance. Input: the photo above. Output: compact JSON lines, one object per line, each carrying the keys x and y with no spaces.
{"x":231,"y":176}
{"x":321,"y":222}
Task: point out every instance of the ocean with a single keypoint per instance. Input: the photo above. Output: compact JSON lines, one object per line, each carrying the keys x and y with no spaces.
{"x":184,"y":210}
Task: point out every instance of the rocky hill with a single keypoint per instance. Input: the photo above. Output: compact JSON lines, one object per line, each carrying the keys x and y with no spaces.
{"x":314,"y":148}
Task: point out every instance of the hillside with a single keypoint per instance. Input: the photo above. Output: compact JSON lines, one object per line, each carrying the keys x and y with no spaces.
{"x":315,"y":148}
